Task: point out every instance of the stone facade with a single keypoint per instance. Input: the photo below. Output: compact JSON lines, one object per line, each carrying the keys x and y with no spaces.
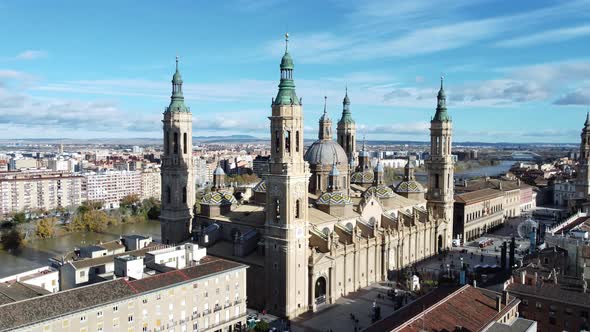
{"x":178,"y":190}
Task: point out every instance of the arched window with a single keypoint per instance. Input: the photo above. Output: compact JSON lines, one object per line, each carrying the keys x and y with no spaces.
{"x":288,"y":141}
{"x":184,"y":143}
{"x":297,"y":209}
{"x":277,"y":210}
{"x":436,"y":181}
{"x":175,"y":149}
{"x":166,"y":142}
{"x":168,"y":195}
{"x":297,"y":141}
{"x":277,"y":141}
{"x":184,"y":193}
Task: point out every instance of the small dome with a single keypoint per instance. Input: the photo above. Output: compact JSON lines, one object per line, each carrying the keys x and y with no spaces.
{"x":260,"y":187}
{"x":287,"y":61}
{"x":380,"y":191}
{"x":218,"y":198}
{"x":325,"y":152}
{"x":219,"y":171}
{"x":409,"y":187}
{"x":176,"y":78}
{"x":362,"y":177}
{"x":334,"y":198}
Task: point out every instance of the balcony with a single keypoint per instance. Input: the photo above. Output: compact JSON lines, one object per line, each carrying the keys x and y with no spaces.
{"x":236,"y":302}
{"x":217,"y":308}
{"x":206,"y":311}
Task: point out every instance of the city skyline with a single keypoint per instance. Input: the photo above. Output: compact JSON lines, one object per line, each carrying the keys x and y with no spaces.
{"x":512,"y":72}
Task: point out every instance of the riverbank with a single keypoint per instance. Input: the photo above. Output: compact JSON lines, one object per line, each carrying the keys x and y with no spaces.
{"x":36,"y":253}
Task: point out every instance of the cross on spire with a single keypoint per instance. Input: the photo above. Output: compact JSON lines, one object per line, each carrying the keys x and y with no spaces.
{"x":325,"y":102}
{"x":286,"y":42}
{"x":177,"y":57}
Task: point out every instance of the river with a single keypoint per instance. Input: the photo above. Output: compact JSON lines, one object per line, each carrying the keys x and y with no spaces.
{"x":494,"y":170}
{"x":36,"y":253}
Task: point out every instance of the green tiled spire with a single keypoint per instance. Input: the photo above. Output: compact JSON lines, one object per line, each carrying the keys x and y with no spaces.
{"x":286,"y":94}
{"x":177,"y":98}
{"x":441,"y":108}
{"x":346,"y":114}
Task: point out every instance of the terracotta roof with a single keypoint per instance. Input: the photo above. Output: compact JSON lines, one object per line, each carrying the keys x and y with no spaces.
{"x":478,"y":196}
{"x":444,"y":309}
{"x":38,"y":309}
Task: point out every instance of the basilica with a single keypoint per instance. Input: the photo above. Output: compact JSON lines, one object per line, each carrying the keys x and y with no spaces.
{"x":323,"y":222}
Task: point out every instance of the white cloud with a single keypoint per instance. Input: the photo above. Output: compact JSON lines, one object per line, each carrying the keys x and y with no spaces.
{"x":545,"y":37}
{"x":31,"y":55}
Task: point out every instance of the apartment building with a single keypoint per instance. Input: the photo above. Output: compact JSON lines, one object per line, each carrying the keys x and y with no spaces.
{"x":476,"y":212}
{"x":30,"y":190}
{"x":151,"y":183}
{"x":210,"y":296}
{"x":111,"y":186}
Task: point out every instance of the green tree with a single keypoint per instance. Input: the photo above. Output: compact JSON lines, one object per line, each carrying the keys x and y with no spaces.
{"x":12,"y":239}
{"x":262,"y":326}
{"x":45,"y":228}
{"x":19,"y":218}
{"x":154,"y":212}
{"x":89,"y":206}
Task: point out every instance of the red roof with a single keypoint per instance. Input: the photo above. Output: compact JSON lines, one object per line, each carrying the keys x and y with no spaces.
{"x":444,"y":309}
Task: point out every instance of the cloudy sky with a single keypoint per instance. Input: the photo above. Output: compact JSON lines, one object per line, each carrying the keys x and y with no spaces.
{"x":515,"y":71}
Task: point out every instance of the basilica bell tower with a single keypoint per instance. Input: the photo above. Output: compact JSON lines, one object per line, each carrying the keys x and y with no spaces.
{"x":346,"y":131}
{"x":440,"y":197}
{"x":583,"y":175}
{"x":178,"y":190}
{"x":286,"y":228}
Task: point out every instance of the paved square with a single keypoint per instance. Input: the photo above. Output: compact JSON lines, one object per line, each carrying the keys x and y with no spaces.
{"x":336,"y":317}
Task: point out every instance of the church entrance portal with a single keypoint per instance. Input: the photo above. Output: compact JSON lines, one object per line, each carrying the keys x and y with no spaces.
{"x":320,"y":291}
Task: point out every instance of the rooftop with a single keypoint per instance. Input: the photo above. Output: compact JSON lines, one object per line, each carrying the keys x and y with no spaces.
{"x":478,"y":196}
{"x":444,"y":309}
{"x":41,"y":308}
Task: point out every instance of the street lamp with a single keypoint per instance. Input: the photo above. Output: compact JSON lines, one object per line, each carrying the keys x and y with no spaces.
{"x":449,"y":269}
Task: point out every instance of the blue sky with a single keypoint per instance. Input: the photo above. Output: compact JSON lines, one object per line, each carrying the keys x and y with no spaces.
{"x":515,"y":71}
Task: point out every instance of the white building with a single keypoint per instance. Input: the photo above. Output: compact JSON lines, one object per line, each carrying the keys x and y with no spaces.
{"x":38,"y":189}
{"x":111,"y":186}
{"x":22,"y":163}
{"x":45,"y":277}
{"x":176,"y":257}
{"x":563,"y":192}
{"x":151,"y":183}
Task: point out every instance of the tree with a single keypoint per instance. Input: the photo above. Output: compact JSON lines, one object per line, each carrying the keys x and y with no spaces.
{"x":12,"y":239}
{"x":89,"y":206}
{"x":45,"y":228}
{"x":19,"y":218}
{"x":262,"y":326}
{"x":130,"y":200}
{"x":154,"y":212}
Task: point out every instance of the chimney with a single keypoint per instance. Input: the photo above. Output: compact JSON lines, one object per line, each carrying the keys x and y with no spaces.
{"x":523,"y":277}
{"x":499,"y":303}
{"x":505,"y":297}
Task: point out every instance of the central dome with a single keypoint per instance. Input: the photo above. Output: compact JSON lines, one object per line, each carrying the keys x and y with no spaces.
{"x":326,"y":152}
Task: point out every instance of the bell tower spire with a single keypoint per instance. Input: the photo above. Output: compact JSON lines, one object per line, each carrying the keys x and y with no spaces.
{"x":583,"y":174}
{"x":346,"y":130}
{"x":440,"y":197}
{"x":178,"y":197}
{"x":286,"y":227}
{"x":325,"y":131}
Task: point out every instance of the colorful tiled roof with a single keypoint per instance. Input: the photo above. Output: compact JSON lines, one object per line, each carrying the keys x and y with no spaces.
{"x":362,"y":177}
{"x":381,"y":191}
{"x":218,"y":198}
{"x":334,"y":198}
{"x":409,"y":187}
